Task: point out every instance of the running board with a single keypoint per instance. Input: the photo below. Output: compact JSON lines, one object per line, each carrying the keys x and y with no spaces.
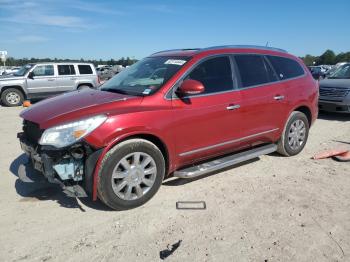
{"x":224,"y":162}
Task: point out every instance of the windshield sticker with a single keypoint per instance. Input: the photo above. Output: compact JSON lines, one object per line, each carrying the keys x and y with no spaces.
{"x":147,"y":91}
{"x":175,"y":62}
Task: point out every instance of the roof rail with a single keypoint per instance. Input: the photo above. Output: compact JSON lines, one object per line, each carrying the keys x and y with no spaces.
{"x":178,"y":50}
{"x":245,"y":46}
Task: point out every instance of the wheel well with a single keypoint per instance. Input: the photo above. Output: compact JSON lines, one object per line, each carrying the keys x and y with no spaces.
{"x":306,"y":111}
{"x":158,"y":142}
{"x":87,"y":84}
{"x":15,"y":87}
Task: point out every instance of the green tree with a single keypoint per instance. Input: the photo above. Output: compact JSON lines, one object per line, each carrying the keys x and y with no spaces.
{"x":327,"y":58}
{"x":343,"y":57}
{"x":309,"y":60}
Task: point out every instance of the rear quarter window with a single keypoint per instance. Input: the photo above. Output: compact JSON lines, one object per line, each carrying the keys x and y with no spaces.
{"x":285,"y":67}
{"x":85,"y":69}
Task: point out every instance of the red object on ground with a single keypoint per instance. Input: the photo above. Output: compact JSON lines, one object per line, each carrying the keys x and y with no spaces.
{"x":26,"y":103}
{"x":345,"y":157}
{"x":330,"y":153}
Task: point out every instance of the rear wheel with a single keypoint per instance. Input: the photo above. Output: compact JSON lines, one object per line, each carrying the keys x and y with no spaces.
{"x":131,"y":174}
{"x":295,"y":135}
{"x":12,"y":97}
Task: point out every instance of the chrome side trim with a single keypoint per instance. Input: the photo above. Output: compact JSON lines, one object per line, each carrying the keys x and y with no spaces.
{"x":226,"y":143}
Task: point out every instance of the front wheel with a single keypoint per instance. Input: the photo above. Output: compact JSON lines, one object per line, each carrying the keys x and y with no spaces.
{"x":131,"y":174}
{"x":12,"y":97}
{"x":295,"y":135}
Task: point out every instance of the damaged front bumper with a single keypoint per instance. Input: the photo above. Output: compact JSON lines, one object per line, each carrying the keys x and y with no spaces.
{"x":71,"y":167}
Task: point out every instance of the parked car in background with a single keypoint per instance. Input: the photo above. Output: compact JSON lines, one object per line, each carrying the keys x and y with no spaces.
{"x":10,"y":71}
{"x":335,"y":91}
{"x":37,"y":81}
{"x":317,"y":72}
{"x":107,"y":72}
{"x":181,"y":113}
{"x":335,"y":67}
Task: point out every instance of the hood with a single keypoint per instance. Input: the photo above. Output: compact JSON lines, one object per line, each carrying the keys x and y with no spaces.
{"x":341,"y":83}
{"x":10,"y":77}
{"x":76,"y":105}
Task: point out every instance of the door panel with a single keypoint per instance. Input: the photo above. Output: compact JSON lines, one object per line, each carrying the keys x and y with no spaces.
{"x":263,"y":106}
{"x":204,"y":127}
{"x":262,"y":114}
{"x":66,"y":79}
{"x":44,"y":80}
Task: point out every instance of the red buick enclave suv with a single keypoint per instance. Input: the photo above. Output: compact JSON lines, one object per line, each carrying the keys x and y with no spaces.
{"x":179,"y":113}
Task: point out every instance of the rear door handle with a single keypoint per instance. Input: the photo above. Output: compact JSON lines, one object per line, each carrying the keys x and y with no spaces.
{"x":233,"y":107}
{"x":51,"y":79}
{"x":278,"y":97}
{"x":73,"y":78}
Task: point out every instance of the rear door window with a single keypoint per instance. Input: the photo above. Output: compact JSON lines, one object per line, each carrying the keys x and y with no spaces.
{"x":85,"y":69}
{"x":66,"y":70}
{"x":215,"y":74}
{"x":254,"y":70}
{"x":285,"y":67}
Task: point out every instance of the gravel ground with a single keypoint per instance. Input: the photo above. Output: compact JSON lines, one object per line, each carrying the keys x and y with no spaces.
{"x":271,"y":209}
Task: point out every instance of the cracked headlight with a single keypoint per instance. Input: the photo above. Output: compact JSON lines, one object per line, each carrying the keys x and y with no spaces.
{"x":67,"y":134}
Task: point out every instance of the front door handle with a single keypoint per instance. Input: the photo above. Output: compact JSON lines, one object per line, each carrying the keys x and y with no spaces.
{"x":50,"y":79}
{"x":278,"y":97}
{"x":233,"y":107}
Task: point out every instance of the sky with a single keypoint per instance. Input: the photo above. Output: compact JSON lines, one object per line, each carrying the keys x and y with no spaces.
{"x":136,"y":28}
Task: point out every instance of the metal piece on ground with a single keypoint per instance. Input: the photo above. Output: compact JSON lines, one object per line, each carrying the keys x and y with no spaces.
{"x":192,"y":205}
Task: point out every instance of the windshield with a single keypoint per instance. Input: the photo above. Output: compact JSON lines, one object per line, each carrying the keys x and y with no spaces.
{"x":146,"y":76}
{"x":342,"y":72}
{"x":23,"y":70}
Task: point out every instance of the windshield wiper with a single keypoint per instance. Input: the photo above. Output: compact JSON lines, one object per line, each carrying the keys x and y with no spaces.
{"x":120,"y":91}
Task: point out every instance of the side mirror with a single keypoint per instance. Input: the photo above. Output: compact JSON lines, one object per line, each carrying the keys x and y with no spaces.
{"x":190,"y":87}
{"x":31,"y":75}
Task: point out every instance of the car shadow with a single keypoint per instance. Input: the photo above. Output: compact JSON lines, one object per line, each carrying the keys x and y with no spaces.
{"x":333,"y":116}
{"x":34,"y":187}
{"x":173,"y":181}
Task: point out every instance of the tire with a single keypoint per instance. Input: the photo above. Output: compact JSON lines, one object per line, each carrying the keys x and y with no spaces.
{"x":82,"y":87}
{"x":113,"y":174}
{"x":12,"y":97}
{"x":286,"y":145}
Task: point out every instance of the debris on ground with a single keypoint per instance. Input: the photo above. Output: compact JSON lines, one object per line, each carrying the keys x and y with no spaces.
{"x":170,"y":250}
{"x":27,"y":103}
{"x":341,"y":153}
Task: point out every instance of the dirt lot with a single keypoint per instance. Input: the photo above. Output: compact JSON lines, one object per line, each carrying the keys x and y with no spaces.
{"x":272,"y":209}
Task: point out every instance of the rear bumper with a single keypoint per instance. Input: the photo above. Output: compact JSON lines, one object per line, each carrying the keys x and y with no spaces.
{"x":61,"y":166}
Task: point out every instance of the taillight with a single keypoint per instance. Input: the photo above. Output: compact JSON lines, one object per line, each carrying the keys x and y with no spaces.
{"x":98,"y":80}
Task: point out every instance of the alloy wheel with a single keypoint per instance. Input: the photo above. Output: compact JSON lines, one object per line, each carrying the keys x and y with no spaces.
{"x":297,"y":134}
{"x":134,"y":175}
{"x":13,"y":98}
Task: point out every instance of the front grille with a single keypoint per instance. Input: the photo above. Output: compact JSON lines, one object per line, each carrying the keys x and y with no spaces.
{"x":32,"y":131}
{"x":334,"y":91}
